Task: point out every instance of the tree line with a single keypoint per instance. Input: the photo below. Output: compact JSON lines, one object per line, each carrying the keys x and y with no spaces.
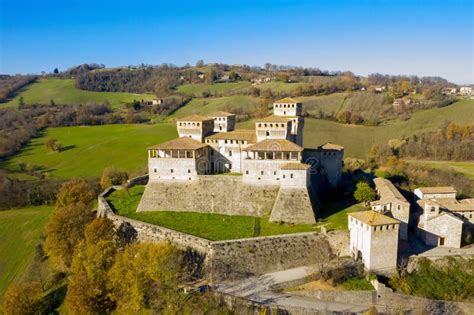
{"x":9,"y":85}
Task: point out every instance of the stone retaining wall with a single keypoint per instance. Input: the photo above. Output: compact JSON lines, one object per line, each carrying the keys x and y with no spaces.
{"x":365,"y":297}
{"x":232,"y":258}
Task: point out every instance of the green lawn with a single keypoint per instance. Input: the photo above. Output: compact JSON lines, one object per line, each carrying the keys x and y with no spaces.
{"x":464,"y":167}
{"x":216,"y":88}
{"x":334,"y":214}
{"x":204,"y":106}
{"x":93,"y":148}
{"x":20,"y":230}
{"x":64,"y":92}
{"x":206,"y":225}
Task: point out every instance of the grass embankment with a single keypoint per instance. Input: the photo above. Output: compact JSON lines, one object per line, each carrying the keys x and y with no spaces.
{"x":64,"y":92}
{"x":90,"y":149}
{"x":20,"y":230}
{"x":464,"y":167}
{"x":206,"y":225}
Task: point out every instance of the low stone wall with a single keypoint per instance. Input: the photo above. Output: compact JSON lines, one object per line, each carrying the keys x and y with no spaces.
{"x":232,"y":258}
{"x":365,"y":297}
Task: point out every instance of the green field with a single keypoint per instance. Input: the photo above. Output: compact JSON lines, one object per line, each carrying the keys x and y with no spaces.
{"x":464,"y":167}
{"x":93,"y":148}
{"x":20,"y":231}
{"x":216,"y":88}
{"x":206,"y":225}
{"x":358,"y":139}
{"x":208,"y":105}
{"x":64,"y":92}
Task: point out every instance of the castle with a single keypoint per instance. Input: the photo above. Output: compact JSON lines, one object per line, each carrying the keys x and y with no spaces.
{"x":270,"y":159}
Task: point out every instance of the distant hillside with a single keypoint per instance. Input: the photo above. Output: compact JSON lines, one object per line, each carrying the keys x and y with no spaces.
{"x":64,"y":92}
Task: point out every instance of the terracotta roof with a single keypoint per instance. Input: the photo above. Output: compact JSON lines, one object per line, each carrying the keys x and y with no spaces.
{"x":184,"y":143}
{"x":220,"y":114}
{"x":195,"y":118}
{"x":287,"y":100}
{"x":247,"y":135}
{"x":273,"y":118}
{"x":438,"y":190}
{"x":387,"y":190}
{"x":276,"y":145}
{"x":456,"y":205}
{"x":332,"y":146}
{"x":373,"y":218}
{"x":295,"y":166}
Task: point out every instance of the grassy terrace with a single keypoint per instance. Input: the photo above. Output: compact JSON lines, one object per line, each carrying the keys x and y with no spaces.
{"x":206,"y":225}
{"x":64,"y":92}
{"x":221,"y":227}
{"x":20,"y":230}
{"x":197,"y":89}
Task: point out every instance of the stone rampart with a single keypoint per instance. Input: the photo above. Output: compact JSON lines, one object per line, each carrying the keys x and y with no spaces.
{"x":212,"y":194}
{"x":293,"y":205}
{"x":365,"y":297}
{"x":231,"y":258}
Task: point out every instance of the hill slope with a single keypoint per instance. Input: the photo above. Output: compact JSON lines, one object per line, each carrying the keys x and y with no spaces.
{"x":64,"y":92}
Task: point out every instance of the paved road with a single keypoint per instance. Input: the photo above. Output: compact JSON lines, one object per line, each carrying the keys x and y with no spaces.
{"x":258,"y":289}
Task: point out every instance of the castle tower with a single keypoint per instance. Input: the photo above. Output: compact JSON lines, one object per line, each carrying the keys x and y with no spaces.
{"x":195,"y":126}
{"x":292,"y":109}
{"x":223,"y":121}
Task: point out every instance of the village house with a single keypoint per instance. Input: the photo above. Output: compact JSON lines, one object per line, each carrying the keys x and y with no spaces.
{"x":392,"y":203}
{"x":374,"y":240}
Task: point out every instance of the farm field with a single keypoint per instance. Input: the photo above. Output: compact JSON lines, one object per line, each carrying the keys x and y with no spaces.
{"x":216,"y":88}
{"x":204,"y":106}
{"x":20,"y":230}
{"x":64,"y":92}
{"x":464,"y":167}
{"x":92,"y":148}
{"x":206,"y":225}
{"x":357,"y":139}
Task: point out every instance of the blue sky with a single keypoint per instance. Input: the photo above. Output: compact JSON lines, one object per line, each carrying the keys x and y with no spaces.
{"x":427,"y":37}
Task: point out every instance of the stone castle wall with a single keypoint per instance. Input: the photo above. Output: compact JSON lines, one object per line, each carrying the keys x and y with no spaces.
{"x":212,"y":194}
{"x":232,"y":258}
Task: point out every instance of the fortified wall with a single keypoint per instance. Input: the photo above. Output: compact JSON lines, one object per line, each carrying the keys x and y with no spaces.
{"x":232,"y":258}
{"x":229,"y":195}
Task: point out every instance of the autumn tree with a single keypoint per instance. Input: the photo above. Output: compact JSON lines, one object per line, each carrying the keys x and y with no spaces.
{"x":76,"y":191}
{"x":64,"y":230}
{"x":53,"y":145}
{"x":87,"y":290}
{"x":23,"y":298}
{"x":364,"y":193}
{"x":112,"y":176}
{"x":153,"y":282}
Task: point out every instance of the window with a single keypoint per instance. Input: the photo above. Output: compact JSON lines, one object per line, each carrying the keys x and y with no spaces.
{"x":261,"y":173}
{"x":189,"y":171}
{"x":291,"y":175}
{"x":398,"y":207}
{"x":246,"y":172}
{"x":171,"y":170}
{"x":274,"y":173}
{"x":155,"y":170}
{"x":267,"y":133}
{"x":230,"y":152}
{"x":283,"y":176}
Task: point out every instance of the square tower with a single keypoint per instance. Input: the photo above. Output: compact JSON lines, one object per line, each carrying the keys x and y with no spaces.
{"x":223,"y":121}
{"x":287,"y":107}
{"x":273,"y":127}
{"x":195,"y":126}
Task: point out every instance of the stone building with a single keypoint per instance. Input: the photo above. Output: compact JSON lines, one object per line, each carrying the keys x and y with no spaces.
{"x":441,"y":216}
{"x":374,"y":240}
{"x":272,"y":155}
{"x":392,"y":203}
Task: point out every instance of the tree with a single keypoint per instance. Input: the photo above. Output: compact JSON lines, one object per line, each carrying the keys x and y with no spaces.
{"x":405,"y":86}
{"x":52,"y":103}
{"x":21,"y":102}
{"x":54,"y":145}
{"x":112,"y":176}
{"x":76,"y":191}
{"x":64,"y":230}
{"x":364,"y":193}
{"x":87,"y":290}
{"x":23,"y":298}
{"x":157,"y":269}
{"x":55,"y":71}
{"x":200,"y":63}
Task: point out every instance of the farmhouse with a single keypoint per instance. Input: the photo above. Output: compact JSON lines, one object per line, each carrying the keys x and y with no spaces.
{"x":270,"y":158}
{"x":374,"y":240}
{"x":392,"y":203}
{"x":442,"y":216}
